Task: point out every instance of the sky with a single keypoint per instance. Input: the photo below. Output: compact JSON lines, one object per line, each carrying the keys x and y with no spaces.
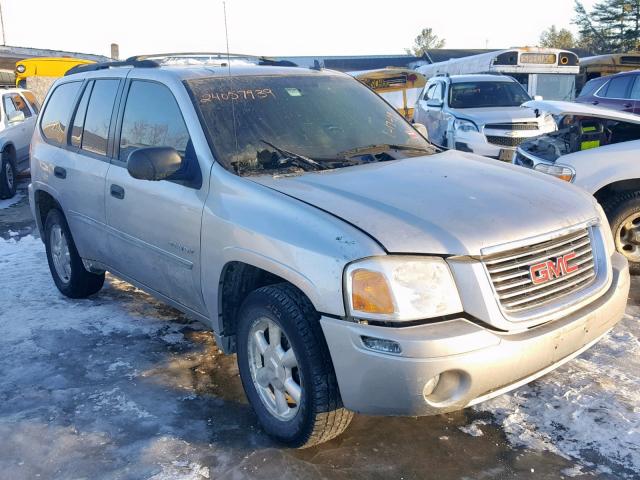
{"x":277,"y":27}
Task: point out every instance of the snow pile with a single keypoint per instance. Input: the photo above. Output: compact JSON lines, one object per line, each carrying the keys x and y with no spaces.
{"x":588,"y":410}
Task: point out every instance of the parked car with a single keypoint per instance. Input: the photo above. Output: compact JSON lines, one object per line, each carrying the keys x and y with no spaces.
{"x":479,"y":114}
{"x":597,"y":149}
{"x":619,"y":92}
{"x":19,"y":111}
{"x":349,"y":266}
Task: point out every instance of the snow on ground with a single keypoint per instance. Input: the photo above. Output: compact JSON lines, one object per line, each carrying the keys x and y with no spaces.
{"x":588,"y":410}
{"x":11,"y":201}
{"x":120,"y":386}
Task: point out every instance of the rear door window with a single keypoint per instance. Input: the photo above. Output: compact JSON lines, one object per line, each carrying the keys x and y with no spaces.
{"x":95,"y":134}
{"x":57,"y":113}
{"x":21,"y":105}
{"x":618,"y":87}
{"x":78,"y":119}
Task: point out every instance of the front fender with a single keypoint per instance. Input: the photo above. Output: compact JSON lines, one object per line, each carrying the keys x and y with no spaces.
{"x":250,"y":223}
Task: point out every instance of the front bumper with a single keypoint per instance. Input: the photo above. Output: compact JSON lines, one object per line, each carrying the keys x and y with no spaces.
{"x":474,"y":363}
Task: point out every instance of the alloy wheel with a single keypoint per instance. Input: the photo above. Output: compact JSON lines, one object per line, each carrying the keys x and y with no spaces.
{"x":60,"y":253}
{"x":274,"y":369}
{"x":628,"y":237}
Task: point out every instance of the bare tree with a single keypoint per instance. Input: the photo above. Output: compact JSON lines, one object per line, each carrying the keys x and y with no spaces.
{"x":425,"y":41}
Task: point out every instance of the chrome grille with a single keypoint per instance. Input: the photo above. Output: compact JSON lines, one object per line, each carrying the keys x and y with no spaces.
{"x":506,"y":141}
{"x":513,"y":126}
{"x":511,"y":277}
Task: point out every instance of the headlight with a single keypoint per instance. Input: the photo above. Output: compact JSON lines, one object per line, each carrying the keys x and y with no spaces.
{"x":20,"y":69}
{"x":549,"y":123}
{"x":400,"y":288}
{"x":559,"y":171}
{"x":465,"y":125}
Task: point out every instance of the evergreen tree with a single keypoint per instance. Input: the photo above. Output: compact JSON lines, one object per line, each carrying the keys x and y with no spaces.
{"x":611,"y":26}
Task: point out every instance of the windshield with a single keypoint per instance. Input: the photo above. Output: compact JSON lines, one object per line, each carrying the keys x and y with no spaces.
{"x":556,"y":86}
{"x":300,"y":122}
{"x":487,"y":94}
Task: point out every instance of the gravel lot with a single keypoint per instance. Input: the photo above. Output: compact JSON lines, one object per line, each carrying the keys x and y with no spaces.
{"x":120,"y":386}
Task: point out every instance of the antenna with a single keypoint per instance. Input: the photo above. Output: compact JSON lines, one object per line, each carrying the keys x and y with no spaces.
{"x":226,"y":34}
{"x":233,"y":108}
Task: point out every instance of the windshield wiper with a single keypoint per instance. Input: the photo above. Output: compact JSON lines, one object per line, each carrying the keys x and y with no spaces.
{"x":383,"y":147}
{"x":301,"y":160}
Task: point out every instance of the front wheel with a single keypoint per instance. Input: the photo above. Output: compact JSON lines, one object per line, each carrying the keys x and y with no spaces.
{"x":286,"y":368}
{"x":623,"y":212}
{"x":66,"y":267}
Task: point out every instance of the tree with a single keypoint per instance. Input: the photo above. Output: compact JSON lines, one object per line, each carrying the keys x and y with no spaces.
{"x":425,"y":41}
{"x":554,"y":38}
{"x":611,"y":26}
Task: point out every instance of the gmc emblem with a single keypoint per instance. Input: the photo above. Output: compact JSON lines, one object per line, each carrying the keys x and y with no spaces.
{"x":546,"y":271}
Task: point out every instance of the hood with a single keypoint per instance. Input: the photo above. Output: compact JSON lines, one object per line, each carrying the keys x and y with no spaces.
{"x":496,"y":114}
{"x":581,"y":109}
{"x":452,"y":203}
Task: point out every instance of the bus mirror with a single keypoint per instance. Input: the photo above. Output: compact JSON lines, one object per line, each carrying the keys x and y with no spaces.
{"x":538,"y":98}
{"x":422,"y":130}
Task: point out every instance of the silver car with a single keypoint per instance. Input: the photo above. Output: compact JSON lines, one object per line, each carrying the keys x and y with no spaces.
{"x":18,"y":112}
{"x":322,"y":238}
{"x":479,"y":114}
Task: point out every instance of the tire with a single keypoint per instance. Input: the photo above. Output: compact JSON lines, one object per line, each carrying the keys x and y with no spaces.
{"x":622,"y":211}
{"x":69,"y":275}
{"x":318,"y":416}
{"x":8,"y":176}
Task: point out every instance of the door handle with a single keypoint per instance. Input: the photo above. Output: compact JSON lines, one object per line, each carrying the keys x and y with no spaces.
{"x":595,"y":102}
{"x":60,"y":172}
{"x":627,"y":105}
{"x":117,"y":191}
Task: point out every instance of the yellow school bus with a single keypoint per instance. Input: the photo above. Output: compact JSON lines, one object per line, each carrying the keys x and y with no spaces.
{"x":45,"y":67}
{"x":398,"y":86}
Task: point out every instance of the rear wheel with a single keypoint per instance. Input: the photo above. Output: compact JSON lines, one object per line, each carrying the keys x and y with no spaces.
{"x":623,"y":212}
{"x":8,"y":176}
{"x":66,"y":267}
{"x":286,"y":368}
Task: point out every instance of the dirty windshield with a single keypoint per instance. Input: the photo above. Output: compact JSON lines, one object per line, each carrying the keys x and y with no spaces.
{"x":293,"y":123}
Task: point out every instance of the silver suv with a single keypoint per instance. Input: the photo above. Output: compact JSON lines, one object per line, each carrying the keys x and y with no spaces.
{"x":479,"y":114}
{"x":350,"y":266}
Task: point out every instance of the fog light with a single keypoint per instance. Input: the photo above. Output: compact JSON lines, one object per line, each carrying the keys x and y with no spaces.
{"x":381,"y":345}
{"x":430,"y":386}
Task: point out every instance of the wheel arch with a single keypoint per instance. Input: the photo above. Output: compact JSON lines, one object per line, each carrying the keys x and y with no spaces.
{"x":603,"y":194}
{"x":44,"y":201}
{"x":237,"y":280}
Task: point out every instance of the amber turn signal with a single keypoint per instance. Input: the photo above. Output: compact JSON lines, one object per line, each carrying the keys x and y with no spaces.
{"x":370,"y":292}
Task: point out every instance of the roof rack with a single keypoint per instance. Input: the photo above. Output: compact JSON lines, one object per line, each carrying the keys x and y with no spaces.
{"x":130,"y":62}
{"x":157,"y":59}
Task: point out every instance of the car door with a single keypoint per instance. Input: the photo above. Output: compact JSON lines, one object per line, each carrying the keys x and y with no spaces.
{"x":615,"y":94}
{"x":155,"y":225}
{"x":81,"y":168}
{"x":430,"y":106}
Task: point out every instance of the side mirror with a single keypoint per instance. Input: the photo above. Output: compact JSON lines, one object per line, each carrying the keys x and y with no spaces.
{"x":435,"y":102}
{"x":422,"y":130}
{"x":16,"y":117}
{"x":153,"y":163}
{"x":538,"y":98}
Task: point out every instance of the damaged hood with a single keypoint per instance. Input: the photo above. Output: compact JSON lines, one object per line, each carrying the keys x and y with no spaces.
{"x":451,"y":203}
{"x":581,"y":109}
{"x":496,"y":114}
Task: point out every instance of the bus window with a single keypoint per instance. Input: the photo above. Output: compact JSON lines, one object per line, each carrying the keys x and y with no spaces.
{"x":554,"y":86}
